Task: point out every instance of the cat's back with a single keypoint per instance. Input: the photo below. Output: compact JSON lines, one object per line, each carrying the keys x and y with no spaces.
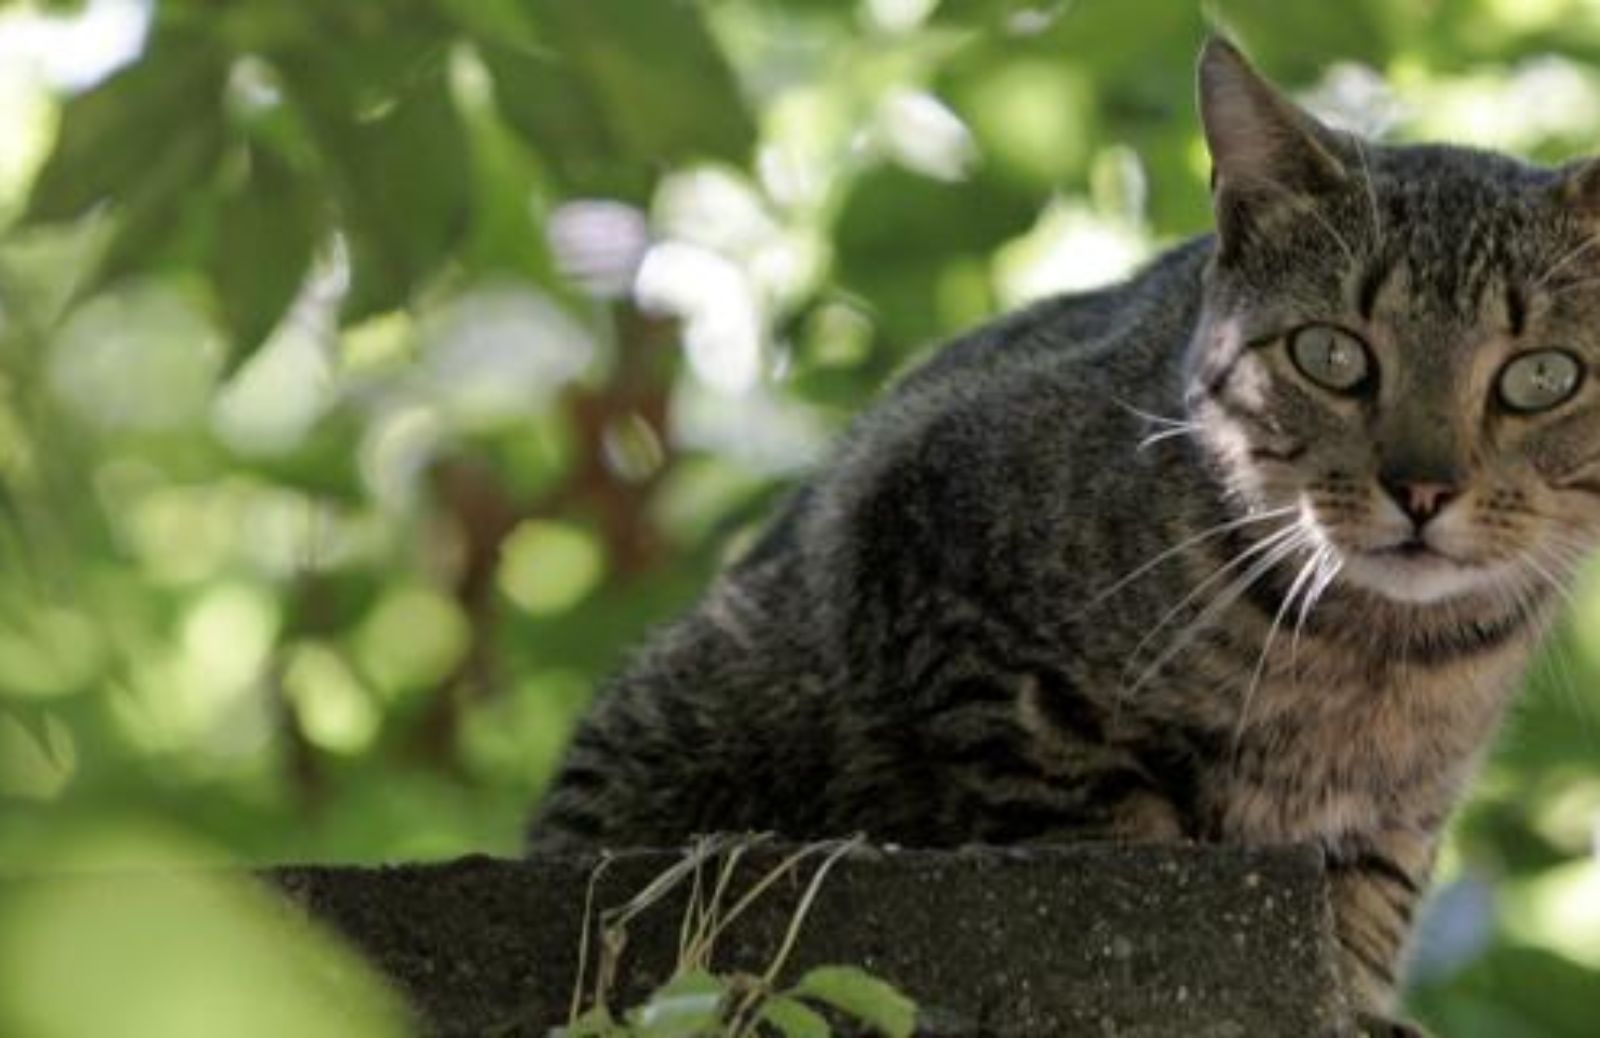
{"x":1077,"y":328}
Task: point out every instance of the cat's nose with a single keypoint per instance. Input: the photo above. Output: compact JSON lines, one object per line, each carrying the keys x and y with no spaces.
{"x":1419,"y":500}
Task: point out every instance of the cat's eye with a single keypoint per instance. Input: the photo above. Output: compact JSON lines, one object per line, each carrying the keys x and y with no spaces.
{"x":1331,"y":357}
{"x":1539,"y":381}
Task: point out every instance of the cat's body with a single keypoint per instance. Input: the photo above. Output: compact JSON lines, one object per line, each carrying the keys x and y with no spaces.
{"x":1127,"y":565}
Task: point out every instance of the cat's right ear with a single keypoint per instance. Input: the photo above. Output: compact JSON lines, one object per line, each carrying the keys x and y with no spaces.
{"x":1265,"y":151}
{"x":1578,"y":186}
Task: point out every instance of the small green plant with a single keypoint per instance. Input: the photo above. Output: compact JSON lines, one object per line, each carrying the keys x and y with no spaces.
{"x":699,"y":1002}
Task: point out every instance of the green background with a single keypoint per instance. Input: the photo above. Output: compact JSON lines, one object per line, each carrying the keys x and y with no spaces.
{"x":374,"y":372}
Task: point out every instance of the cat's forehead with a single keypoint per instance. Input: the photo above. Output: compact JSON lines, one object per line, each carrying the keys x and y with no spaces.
{"x":1441,"y":235}
{"x":1455,"y":218}
{"x":1444,"y":169}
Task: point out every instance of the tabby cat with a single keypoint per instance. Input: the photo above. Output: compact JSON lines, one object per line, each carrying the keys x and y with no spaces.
{"x":1252,"y":548}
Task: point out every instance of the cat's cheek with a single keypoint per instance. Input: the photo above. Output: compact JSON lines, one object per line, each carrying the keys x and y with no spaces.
{"x":1231,"y":446}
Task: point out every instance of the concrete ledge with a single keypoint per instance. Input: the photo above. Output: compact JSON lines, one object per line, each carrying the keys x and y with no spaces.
{"x":1092,"y":940}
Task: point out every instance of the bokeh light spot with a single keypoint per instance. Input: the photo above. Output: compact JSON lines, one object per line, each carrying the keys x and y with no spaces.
{"x":548,"y":567}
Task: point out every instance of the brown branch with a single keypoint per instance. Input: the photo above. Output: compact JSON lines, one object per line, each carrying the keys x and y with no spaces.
{"x":483,"y":513}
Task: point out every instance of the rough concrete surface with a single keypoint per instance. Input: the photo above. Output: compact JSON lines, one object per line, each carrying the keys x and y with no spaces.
{"x":1143,"y":942}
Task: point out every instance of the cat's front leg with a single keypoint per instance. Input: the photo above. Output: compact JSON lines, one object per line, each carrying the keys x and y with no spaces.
{"x":1376,"y":885}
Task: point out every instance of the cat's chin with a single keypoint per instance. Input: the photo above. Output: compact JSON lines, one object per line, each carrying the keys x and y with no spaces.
{"x":1416,"y":579}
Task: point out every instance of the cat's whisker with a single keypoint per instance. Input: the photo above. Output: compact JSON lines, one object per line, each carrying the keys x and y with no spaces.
{"x":1532,"y":560}
{"x":1168,"y":427}
{"x":1568,"y":556}
{"x":1266,"y":646}
{"x":1304,"y":206}
{"x":1265,"y":544}
{"x":1568,"y":257}
{"x":1554,"y":655}
{"x":1180,"y":547}
{"x":1328,"y":566}
{"x":1576,"y":546}
{"x":1166,"y":434}
{"x":1559,"y":657}
{"x":1318,"y":561}
{"x":1372,"y":191}
{"x":1282,"y":545}
{"x":1148,"y":416}
{"x":1547,"y":562}
{"x":1216,"y":607}
{"x":1574,"y":285}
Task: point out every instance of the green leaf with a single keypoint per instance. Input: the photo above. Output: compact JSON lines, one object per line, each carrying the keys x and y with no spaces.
{"x":687,"y":1006}
{"x":507,"y":226}
{"x":146,"y":142}
{"x":501,"y":21}
{"x":324,"y":464}
{"x":874,"y":1002}
{"x":164,"y":215}
{"x":268,"y":229}
{"x":401,"y":182}
{"x":794,"y":1019}
{"x":596,"y":1023}
{"x":618,"y":90}
{"x":547,"y":101}
{"x":79,"y":959}
{"x":133,"y":129}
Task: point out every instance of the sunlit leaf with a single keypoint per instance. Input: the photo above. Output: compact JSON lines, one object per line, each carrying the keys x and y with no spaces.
{"x":794,"y":1019}
{"x":176,"y":954}
{"x":874,"y":1002}
{"x":687,"y":1006}
{"x":595,"y":1023}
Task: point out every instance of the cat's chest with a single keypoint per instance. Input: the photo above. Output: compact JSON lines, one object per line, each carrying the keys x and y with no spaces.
{"x":1317,"y":759}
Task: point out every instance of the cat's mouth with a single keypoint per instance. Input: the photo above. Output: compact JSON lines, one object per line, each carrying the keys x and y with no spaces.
{"x":1413,"y":570}
{"x":1413,"y":549}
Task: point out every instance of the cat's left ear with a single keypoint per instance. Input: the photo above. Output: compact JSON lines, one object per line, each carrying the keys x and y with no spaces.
{"x":1265,"y":151}
{"x":1578,"y":186}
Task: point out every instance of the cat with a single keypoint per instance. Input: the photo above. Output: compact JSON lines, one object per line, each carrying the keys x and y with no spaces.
{"x":1252,"y":548}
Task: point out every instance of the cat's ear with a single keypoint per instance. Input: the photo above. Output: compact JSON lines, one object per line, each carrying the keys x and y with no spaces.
{"x":1578,"y":187}
{"x":1265,"y":151}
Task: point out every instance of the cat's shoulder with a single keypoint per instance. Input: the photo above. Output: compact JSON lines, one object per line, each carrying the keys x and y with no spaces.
{"x":1029,"y":391}
{"x":1051,"y":367}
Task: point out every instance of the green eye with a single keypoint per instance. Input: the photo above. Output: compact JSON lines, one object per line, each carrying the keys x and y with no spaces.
{"x":1539,"y":381}
{"x":1331,"y":357}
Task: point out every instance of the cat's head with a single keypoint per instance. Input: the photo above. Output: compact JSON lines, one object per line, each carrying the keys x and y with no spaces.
{"x":1400,"y":347}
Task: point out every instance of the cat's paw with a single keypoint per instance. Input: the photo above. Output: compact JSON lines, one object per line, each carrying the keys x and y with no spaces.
{"x":1371,"y":1025}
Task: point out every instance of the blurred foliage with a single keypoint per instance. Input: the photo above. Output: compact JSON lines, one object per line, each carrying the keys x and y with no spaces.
{"x":372,"y":373}
{"x":177,"y":952}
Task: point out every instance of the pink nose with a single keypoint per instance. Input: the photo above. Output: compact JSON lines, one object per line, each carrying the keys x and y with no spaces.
{"x":1420,"y":501}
